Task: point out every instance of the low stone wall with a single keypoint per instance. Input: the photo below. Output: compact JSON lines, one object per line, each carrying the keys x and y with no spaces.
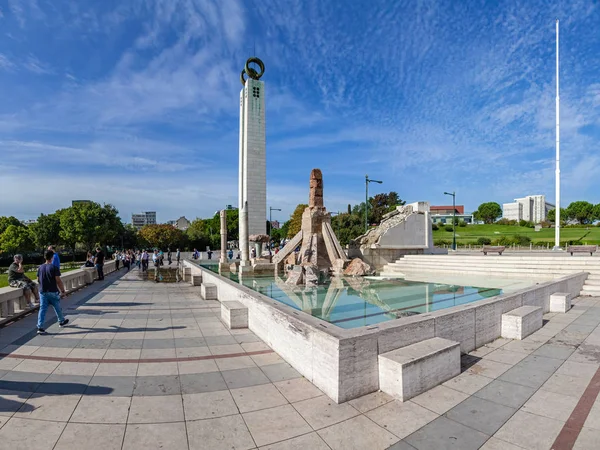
{"x":343,"y":363}
{"x":380,"y":256}
{"x":13,"y":303}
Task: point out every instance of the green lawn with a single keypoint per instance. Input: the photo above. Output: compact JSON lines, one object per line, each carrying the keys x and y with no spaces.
{"x":470,"y":233}
{"x":32,"y":275}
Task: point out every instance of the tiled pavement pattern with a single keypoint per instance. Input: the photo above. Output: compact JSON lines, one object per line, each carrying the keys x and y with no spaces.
{"x":147,"y":366}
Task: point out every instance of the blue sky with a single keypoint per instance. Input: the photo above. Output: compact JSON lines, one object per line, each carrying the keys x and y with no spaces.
{"x":136,"y":102}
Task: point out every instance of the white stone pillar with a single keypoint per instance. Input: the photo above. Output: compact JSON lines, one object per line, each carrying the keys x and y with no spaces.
{"x":245,"y":265}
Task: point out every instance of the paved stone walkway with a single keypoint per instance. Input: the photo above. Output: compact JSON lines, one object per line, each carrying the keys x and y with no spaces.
{"x":147,"y":366}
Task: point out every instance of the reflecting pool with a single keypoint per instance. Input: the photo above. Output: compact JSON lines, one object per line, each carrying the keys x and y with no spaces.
{"x":352,"y":302}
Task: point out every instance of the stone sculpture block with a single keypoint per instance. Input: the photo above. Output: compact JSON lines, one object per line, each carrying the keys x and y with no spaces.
{"x":196,"y":280}
{"x":409,"y":371}
{"x":521,"y":322}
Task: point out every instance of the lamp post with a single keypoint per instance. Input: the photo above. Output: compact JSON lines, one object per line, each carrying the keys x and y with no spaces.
{"x":271,"y":209}
{"x":367,"y":181}
{"x":453,"y":194}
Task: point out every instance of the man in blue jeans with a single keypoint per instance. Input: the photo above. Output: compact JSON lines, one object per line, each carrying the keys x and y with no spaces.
{"x":51,"y":290}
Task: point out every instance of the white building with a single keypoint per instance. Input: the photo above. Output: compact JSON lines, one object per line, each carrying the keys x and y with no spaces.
{"x":532,"y":208}
{"x":253,"y":164}
{"x":145,"y":218}
{"x":181,"y":224}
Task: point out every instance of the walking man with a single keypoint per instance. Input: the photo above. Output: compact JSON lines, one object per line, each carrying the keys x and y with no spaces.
{"x":51,"y":290}
{"x":178,"y":256}
{"x":99,"y":261}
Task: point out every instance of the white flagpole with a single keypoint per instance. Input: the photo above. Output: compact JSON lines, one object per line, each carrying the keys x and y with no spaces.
{"x":557,"y":212}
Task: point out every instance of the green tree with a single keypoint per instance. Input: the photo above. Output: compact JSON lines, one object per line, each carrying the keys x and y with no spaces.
{"x":15,"y":239}
{"x":162,"y":236}
{"x":90,"y":224}
{"x":46,"y":231}
{"x":6,"y":221}
{"x":488,"y":212}
{"x":551,"y":216}
{"x":347,"y":227}
{"x":581,"y":211}
{"x":596,"y":213}
{"x":381,"y":204}
{"x":295,"y":222}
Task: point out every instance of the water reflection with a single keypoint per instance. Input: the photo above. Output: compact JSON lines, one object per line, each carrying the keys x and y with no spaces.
{"x":353,"y":301}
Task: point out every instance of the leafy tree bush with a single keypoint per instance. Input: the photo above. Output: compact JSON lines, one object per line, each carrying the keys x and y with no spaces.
{"x":448,"y":228}
{"x":484,"y":241}
{"x":15,"y":239}
{"x":488,"y":212}
{"x":162,"y":236}
{"x":296,"y":220}
{"x":434,"y":227}
{"x":462,"y":223}
{"x":581,"y":211}
{"x":441,"y":242}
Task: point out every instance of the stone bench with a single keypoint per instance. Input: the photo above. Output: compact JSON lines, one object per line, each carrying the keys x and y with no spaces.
{"x":196,"y":280}
{"x":560,"y":302}
{"x":234,"y":314}
{"x":187,"y":274}
{"x":409,"y":371}
{"x":493,"y":249}
{"x":521,"y":322}
{"x":582,"y":249}
{"x":208,"y":291}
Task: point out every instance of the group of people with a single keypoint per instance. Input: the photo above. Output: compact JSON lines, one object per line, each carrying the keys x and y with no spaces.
{"x":141,"y":258}
{"x":96,"y":260}
{"x":49,"y":290}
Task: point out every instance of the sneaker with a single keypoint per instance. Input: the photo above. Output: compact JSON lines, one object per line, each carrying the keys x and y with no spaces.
{"x":41,"y":331}
{"x":30,"y":305}
{"x":63,"y":323}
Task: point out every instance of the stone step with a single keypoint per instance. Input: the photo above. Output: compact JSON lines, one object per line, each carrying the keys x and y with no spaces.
{"x":524,"y":264}
{"x":481,"y":257}
{"x":409,"y":371}
{"x":483,"y":271}
{"x":591,"y":288}
{"x":521,"y":322}
{"x":592,"y":282}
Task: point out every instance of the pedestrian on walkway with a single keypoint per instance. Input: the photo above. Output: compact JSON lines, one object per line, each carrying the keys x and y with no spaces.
{"x":230,"y":254}
{"x":99,"y":261}
{"x":55,"y":259}
{"x":117,"y":257}
{"x":51,"y":291}
{"x":169,"y":257}
{"x":178,"y":256}
{"x":18,"y":279}
{"x":145,"y":257}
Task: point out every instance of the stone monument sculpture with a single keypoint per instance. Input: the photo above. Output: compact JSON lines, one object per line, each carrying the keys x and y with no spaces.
{"x":252,"y":151}
{"x":320,"y":252}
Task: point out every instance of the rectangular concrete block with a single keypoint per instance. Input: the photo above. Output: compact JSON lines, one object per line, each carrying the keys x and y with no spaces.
{"x":560,"y":302}
{"x":409,"y":371}
{"x":521,"y":322}
{"x":234,"y":314}
{"x":208,"y":291}
{"x":196,"y":280}
{"x":187,"y":274}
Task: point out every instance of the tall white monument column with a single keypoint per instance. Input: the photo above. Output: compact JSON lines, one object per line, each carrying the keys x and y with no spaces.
{"x":253,"y":164}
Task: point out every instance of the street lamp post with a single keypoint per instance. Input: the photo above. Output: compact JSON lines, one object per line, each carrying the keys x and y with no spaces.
{"x":453,"y":194}
{"x":367,"y":181}
{"x":271,"y":209}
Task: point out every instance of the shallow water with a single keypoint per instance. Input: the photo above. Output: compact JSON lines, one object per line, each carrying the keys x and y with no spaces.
{"x":352,"y":302}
